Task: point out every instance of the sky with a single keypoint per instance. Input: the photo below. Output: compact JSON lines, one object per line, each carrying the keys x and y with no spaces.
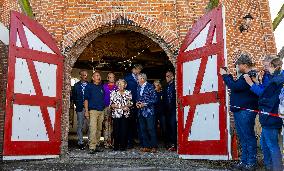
{"x":275,"y":6}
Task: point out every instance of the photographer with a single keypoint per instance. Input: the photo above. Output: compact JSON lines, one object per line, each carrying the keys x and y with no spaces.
{"x":260,"y":80}
{"x":271,"y":126}
{"x":242,"y":97}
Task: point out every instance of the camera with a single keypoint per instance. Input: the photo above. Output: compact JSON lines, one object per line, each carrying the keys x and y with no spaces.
{"x":252,"y":73}
{"x":225,"y":68}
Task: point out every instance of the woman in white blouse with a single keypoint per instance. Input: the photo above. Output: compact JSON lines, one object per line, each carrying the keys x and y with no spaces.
{"x":120,"y":102}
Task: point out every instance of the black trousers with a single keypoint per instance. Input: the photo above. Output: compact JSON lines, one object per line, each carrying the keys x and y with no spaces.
{"x":133,"y":127}
{"x":171,"y":127}
{"x":120,"y":126}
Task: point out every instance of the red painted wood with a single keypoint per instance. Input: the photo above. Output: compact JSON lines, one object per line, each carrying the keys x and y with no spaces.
{"x":51,"y":147}
{"x":197,"y":53}
{"x":39,"y":31}
{"x":33,"y":100}
{"x":209,"y":147}
{"x":38,"y":56}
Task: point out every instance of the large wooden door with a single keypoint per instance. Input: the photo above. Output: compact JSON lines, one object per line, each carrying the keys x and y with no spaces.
{"x":202,"y":116}
{"x":34,"y":92}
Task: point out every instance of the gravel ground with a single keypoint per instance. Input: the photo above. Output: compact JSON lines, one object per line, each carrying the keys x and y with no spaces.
{"x":116,"y":160}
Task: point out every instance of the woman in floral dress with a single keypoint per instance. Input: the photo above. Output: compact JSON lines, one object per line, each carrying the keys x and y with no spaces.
{"x":120,"y":102}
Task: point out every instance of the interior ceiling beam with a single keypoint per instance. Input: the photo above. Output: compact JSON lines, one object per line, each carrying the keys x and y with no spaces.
{"x":109,"y":50}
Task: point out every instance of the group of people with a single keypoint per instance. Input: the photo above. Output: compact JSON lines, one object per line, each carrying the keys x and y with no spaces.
{"x":256,"y":91}
{"x":132,"y":108}
{"x":126,"y":110}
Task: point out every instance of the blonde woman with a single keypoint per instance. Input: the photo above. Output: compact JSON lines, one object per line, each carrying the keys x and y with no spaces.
{"x":160,"y":110}
{"x":120,"y":102}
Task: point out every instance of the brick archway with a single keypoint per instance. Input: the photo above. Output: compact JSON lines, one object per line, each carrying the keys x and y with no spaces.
{"x":75,"y":41}
{"x":144,"y":22}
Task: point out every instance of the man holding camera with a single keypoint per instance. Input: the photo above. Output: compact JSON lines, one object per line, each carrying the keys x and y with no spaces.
{"x":242,"y":98}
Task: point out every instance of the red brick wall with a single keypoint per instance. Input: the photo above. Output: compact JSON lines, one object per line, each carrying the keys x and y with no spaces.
{"x":3,"y":83}
{"x":5,"y":7}
{"x":259,"y":40}
{"x":64,"y":20}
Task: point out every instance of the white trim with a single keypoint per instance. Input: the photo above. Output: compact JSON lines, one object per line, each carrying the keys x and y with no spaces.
{"x":37,"y":157}
{"x":227,"y":93}
{"x":208,"y":157}
{"x":4,"y":36}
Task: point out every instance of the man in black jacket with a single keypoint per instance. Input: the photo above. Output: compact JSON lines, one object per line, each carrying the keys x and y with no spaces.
{"x":78,"y":100}
{"x":170,"y":111}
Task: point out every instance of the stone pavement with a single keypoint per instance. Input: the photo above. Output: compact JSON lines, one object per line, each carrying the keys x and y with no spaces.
{"x":116,"y":160}
{"x":110,"y":160}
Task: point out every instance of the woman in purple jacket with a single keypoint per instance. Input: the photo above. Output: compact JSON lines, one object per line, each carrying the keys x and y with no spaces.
{"x":107,"y":124}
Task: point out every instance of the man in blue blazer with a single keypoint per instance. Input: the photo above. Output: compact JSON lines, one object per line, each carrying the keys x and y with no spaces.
{"x":146,"y":98}
{"x":132,"y":84}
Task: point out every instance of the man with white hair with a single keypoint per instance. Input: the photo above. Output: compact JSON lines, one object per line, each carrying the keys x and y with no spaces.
{"x":146,"y":98}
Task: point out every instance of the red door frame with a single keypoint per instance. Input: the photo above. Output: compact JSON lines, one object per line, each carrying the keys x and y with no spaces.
{"x":209,"y":147}
{"x":51,"y":147}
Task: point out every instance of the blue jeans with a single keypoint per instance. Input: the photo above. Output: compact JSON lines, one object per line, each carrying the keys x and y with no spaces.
{"x":244,"y":122}
{"x":148,"y":131}
{"x":81,"y":122}
{"x":270,"y":149}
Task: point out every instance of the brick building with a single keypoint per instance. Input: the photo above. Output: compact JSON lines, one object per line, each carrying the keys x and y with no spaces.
{"x":76,"y":24}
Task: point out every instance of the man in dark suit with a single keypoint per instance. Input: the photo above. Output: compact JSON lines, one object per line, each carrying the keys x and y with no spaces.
{"x":170,"y":111}
{"x":132,"y":84}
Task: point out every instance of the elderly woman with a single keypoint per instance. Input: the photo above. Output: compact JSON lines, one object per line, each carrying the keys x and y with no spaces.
{"x":120,"y":102}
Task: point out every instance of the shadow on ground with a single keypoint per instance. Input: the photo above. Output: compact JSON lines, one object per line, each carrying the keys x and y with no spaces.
{"x":132,"y":159}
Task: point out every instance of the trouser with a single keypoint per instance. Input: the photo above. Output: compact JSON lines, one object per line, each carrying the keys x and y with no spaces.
{"x":171,"y":127}
{"x":120,"y":132}
{"x":270,"y":148}
{"x":148,"y":131}
{"x":96,"y":120}
{"x":81,"y":122}
{"x":133,"y":127}
{"x":161,"y":121}
{"x":244,"y":122}
{"x":107,"y":127}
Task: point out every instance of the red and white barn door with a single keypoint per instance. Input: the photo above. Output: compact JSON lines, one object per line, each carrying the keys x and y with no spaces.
{"x":202,"y":116}
{"x":34,"y":92}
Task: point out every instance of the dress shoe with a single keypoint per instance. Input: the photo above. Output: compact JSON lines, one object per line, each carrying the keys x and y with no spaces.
{"x":81,"y":146}
{"x":238,"y":166}
{"x":154,"y":150}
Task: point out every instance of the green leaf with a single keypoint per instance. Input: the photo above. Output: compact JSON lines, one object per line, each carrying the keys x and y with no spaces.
{"x":212,"y":4}
{"x":26,"y":8}
{"x":278,"y":18}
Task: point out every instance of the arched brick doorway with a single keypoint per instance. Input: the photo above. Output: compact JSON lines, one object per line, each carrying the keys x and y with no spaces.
{"x":73,"y":52}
